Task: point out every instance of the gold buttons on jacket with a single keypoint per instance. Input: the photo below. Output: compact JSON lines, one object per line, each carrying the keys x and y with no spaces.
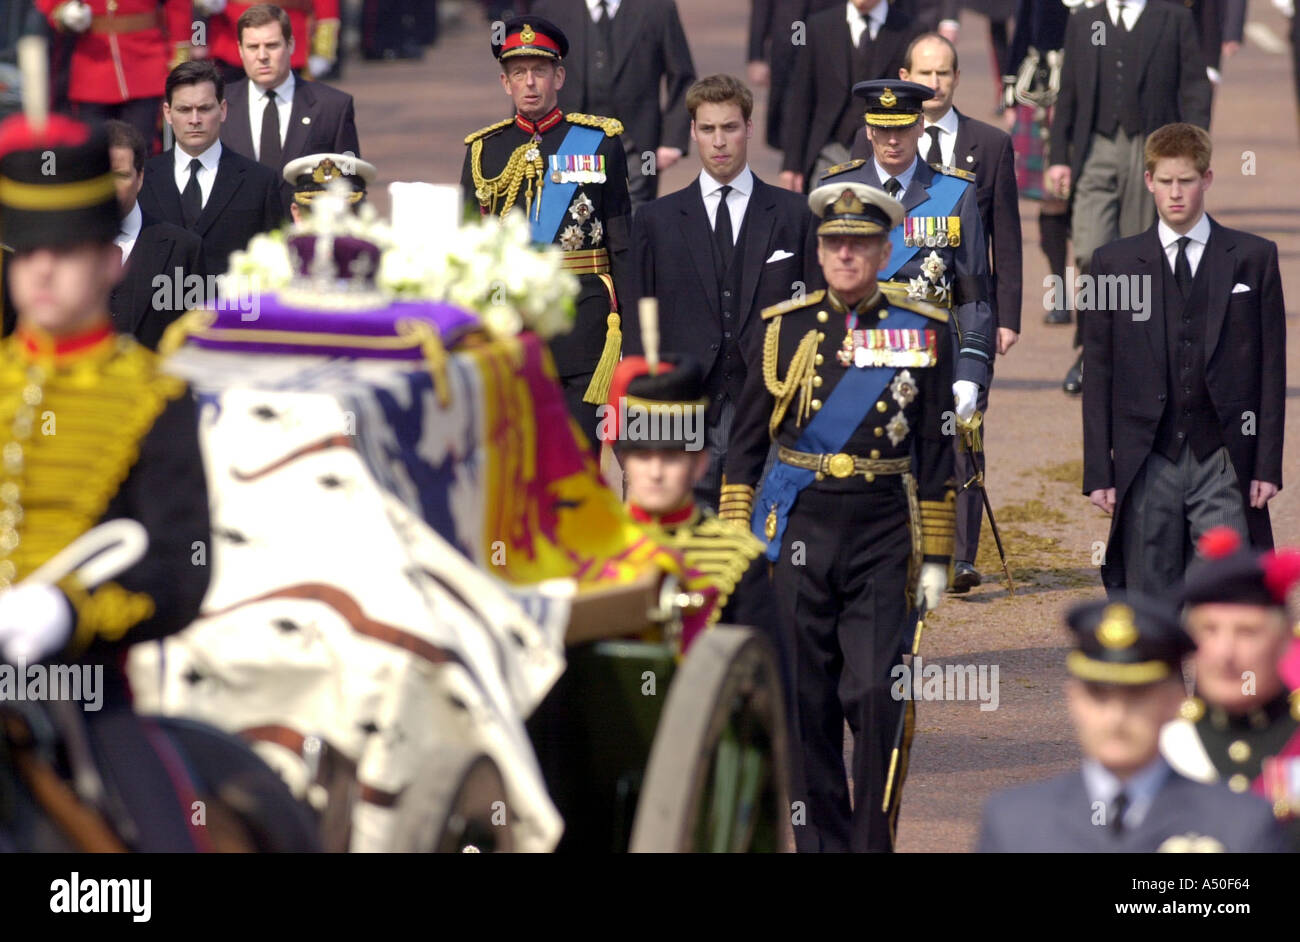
{"x":1239,"y":751}
{"x":816,"y":404}
{"x":820,"y":336}
{"x":817,"y":380}
{"x":884,"y":315}
{"x":875,"y":453}
{"x":881,"y":407}
{"x":878,"y":431}
{"x":869,"y":476}
{"x":822,"y":317}
{"x":1239,"y":783}
{"x":819,"y":360}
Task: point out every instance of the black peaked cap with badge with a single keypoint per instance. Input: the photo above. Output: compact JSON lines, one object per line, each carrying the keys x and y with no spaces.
{"x":529,"y":36}
{"x":1128,"y":640}
{"x":676,"y":388}
{"x":892,"y":103}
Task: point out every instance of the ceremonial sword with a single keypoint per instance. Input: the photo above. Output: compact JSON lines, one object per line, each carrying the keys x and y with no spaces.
{"x":971,"y":442}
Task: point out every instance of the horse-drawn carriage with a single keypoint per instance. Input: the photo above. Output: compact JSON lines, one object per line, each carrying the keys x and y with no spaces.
{"x":428,"y":614}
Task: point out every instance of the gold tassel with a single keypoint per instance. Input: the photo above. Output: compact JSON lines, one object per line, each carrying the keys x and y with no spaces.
{"x":435,"y":355}
{"x":598,"y":390}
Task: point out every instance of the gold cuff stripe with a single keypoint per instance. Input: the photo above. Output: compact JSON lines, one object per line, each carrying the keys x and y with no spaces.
{"x":54,"y":196}
{"x":586,"y":262}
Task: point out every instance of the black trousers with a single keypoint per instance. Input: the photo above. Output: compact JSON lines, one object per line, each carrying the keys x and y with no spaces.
{"x":970,"y":505}
{"x":841,"y":588}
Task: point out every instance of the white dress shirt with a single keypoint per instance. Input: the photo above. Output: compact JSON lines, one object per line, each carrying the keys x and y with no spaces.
{"x":873,"y":20}
{"x":257,"y":107}
{"x":1199,"y":234}
{"x":1141,"y":789}
{"x":904,"y":178}
{"x":947,"y":126}
{"x":737,"y":200}
{"x":1132,"y":10}
{"x":207,"y":173}
{"x":129,"y":231}
{"x":593,"y":6}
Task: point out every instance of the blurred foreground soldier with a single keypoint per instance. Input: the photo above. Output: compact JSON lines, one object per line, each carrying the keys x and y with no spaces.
{"x":655,"y":422}
{"x":312,"y":175}
{"x":126,"y":447}
{"x":1184,"y":414}
{"x":121,"y":56}
{"x":156,"y":255}
{"x":857,"y":512}
{"x":939,"y":249}
{"x":1125,"y":684}
{"x":1243,"y":725}
{"x":567,"y":172}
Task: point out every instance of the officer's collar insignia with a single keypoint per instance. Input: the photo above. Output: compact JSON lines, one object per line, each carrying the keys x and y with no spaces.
{"x":1117,"y":629}
{"x":888,"y":99}
{"x":325,"y":171}
{"x":526,"y":34}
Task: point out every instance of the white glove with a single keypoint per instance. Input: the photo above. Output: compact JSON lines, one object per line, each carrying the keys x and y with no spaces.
{"x":967,"y":395}
{"x":1285,"y":7}
{"x":318,"y":66}
{"x":210,"y":7}
{"x":35,"y":621}
{"x":75,"y":16}
{"x":931,"y":585}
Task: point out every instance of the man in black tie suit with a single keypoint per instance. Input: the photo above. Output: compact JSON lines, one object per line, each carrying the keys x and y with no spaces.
{"x":714,"y":271}
{"x":1185,"y":404}
{"x":621,"y":52}
{"x":847,"y":44}
{"x":156,"y":256}
{"x":224,"y":198}
{"x":274,"y":117}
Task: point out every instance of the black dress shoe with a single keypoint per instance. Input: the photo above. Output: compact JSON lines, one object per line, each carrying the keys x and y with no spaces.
{"x":1057,"y":316}
{"x":1074,"y":379}
{"x":964,"y":578}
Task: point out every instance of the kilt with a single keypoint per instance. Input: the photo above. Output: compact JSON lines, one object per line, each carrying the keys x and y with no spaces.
{"x":1029,"y":140}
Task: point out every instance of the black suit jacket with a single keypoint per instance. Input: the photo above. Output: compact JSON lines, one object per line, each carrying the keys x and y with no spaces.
{"x":1172,"y":84}
{"x":322,"y":121}
{"x":138,"y":306}
{"x":649,"y":48}
{"x":821,"y":83}
{"x":672,"y":251}
{"x":1245,"y":368}
{"x":1057,"y":816}
{"x":244,"y":201}
{"x":986,"y":151}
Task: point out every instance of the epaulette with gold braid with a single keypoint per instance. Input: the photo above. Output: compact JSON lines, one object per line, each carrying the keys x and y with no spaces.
{"x":841,"y":168}
{"x":794,"y":304}
{"x":954,"y":172}
{"x":896,"y":294}
{"x":490,"y":129}
{"x":611,"y":126}
{"x":723,"y":550}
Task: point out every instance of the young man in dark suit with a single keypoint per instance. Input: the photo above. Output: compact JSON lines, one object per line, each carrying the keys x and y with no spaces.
{"x":846,"y":45}
{"x":1126,"y":682}
{"x":140,"y":304}
{"x":711,"y":273}
{"x":307,"y":117}
{"x":953,"y":139}
{"x":1126,"y":72}
{"x":621,"y":52}
{"x":1184,"y":408}
{"x":222,"y":197}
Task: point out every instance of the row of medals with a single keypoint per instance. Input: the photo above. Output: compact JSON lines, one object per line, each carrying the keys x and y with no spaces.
{"x":577,"y":168}
{"x":931,"y":231}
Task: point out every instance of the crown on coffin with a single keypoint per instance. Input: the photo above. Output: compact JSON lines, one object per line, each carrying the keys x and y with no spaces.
{"x":334,"y":253}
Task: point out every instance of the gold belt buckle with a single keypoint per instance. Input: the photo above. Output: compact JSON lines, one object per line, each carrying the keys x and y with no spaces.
{"x":840,"y":465}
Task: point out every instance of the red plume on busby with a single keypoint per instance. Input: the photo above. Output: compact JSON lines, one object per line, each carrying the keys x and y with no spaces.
{"x":1281,"y":572}
{"x":1218,"y":543}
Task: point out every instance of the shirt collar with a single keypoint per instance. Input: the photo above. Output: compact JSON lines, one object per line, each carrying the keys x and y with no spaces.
{"x":131,"y":223}
{"x":1103,"y":785}
{"x":593,"y":7}
{"x":904,"y":178}
{"x":1112,"y":6}
{"x":946,"y":124}
{"x":209,"y":158}
{"x":1198,"y":233}
{"x":744,"y":183}
{"x":878,"y":15}
{"x":283,"y":91}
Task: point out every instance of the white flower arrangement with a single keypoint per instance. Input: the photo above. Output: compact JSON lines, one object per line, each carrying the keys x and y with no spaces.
{"x":491,"y":268}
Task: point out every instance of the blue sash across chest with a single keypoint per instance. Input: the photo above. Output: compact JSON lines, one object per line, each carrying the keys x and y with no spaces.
{"x":556,"y":196}
{"x":944,"y":192}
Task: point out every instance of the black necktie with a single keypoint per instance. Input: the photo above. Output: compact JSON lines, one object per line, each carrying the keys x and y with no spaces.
{"x":864,"y":39}
{"x":893,"y":187}
{"x":722,"y":227}
{"x":269,"y":151}
{"x":1120,"y":17}
{"x":606,"y":23}
{"x":1117,"y":814}
{"x":935,"y":156}
{"x":1183,"y":268}
{"x":192,"y":198}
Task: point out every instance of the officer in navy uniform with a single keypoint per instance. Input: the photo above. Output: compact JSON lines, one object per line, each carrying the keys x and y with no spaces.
{"x":940,"y":253}
{"x":1126,"y":682}
{"x":568,"y":172}
{"x":1247,"y":736}
{"x":858,"y":512}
